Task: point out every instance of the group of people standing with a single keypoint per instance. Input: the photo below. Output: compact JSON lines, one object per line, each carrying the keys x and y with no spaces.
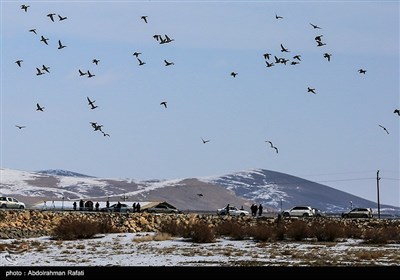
{"x":254,"y":208}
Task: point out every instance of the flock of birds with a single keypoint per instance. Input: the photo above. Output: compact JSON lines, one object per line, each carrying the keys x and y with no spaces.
{"x":270,"y":61}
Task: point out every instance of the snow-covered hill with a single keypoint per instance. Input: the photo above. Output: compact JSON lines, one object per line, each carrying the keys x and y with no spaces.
{"x":274,"y":190}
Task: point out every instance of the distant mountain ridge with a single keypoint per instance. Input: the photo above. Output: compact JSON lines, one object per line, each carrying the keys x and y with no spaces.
{"x":274,"y":190}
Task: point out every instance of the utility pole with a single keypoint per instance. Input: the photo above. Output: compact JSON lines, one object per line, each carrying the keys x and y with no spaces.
{"x":377,"y":188}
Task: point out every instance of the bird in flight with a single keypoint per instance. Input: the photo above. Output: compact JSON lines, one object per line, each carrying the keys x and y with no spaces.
{"x":266,"y":55}
{"x":19,"y":62}
{"x":318,"y":38}
{"x":39,"y":72}
{"x":311,"y":90}
{"x":90,"y":74}
{"x":278,"y":17}
{"x":60,"y":45}
{"x":205,"y":141}
{"x":283,"y":49}
{"x":168,"y":63}
{"x":82,"y":73}
{"x":45,"y":68}
{"x":164,"y":103}
{"x":141,"y":62}
{"x":397,"y":111}
{"x":320,"y":44}
{"x":276,"y":149}
{"x":233,"y":74}
{"x":294,"y":63}
{"x":25,"y":7}
{"x":91,"y":103}
{"x":96,"y":61}
{"x":136,"y":54}
{"x":269,"y":64}
{"x":20,"y":126}
{"x":105,"y":134}
{"x":297,"y":57}
{"x":51,"y":16}
{"x":200,"y":194}
{"x":315,"y":26}
{"x":44,"y":40}
{"x":60,"y":18}
{"x":328,"y":56}
{"x":33,"y":30}
{"x":144,"y":18}
{"x":38,"y":108}
{"x":362,"y":71}
{"x":384,"y":128}
{"x":272,"y":145}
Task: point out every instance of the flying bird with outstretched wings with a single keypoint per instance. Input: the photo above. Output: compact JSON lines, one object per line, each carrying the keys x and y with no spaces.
{"x":397,"y":111}
{"x":164,"y":103}
{"x":205,"y":141}
{"x":311,"y":90}
{"x":144,"y":18}
{"x":39,"y":108}
{"x":20,"y":126}
{"x":24,"y":7}
{"x":362,"y":71}
{"x":51,"y":16}
{"x":234,"y":74}
{"x":19,"y":62}
{"x":384,"y":128}
{"x":283,"y":49}
{"x":315,"y":26}
{"x":60,"y":45}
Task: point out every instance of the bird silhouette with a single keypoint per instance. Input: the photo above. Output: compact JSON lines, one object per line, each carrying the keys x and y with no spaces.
{"x":106,"y":134}
{"x":283,"y":49}
{"x":320,"y":44}
{"x":200,"y":194}
{"x":278,"y":17}
{"x":266,"y":55}
{"x":315,"y":26}
{"x":46,"y":68}
{"x":311,"y":90}
{"x":272,"y":145}
{"x":39,"y":72}
{"x":144,"y":18}
{"x":19,"y":62}
{"x":397,"y":111}
{"x":82,"y":73}
{"x":51,"y":16}
{"x":205,"y":141}
{"x":328,"y":56}
{"x":90,"y":75}
{"x":96,"y":61}
{"x":91,"y":103}
{"x":233,"y":74}
{"x":269,"y":64}
{"x":136,"y":54}
{"x":276,"y":149}
{"x":168,"y":63}
{"x":362,"y":71}
{"x":44,"y":40}
{"x":384,"y":128}
{"x":60,"y":18}
{"x":318,"y":38}
{"x":141,"y":62}
{"x":20,"y":126}
{"x":25,"y":7}
{"x":294,"y":63}
{"x":38,"y":108}
{"x":297,"y":57}
{"x":60,"y":45}
{"x":33,"y":30}
{"x":164,"y":103}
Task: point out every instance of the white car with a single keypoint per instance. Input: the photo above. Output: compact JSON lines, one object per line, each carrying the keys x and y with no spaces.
{"x":299,"y":211}
{"x":233,"y":211}
{"x":11,"y":203}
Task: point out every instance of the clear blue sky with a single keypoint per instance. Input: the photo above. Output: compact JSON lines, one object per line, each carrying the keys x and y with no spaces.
{"x":332,"y":137}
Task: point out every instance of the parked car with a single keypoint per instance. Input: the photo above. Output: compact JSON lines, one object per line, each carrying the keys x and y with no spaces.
{"x":318,"y":213}
{"x":299,"y":211}
{"x":162,"y":209}
{"x":233,"y":211}
{"x":11,"y":203}
{"x":114,"y":208}
{"x":358,"y":213}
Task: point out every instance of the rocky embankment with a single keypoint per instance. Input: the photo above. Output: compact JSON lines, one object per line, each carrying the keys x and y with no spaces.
{"x":34,"y":223}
